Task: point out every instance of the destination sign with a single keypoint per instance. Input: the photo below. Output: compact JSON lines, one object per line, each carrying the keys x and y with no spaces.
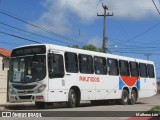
{"x":30,"y":50}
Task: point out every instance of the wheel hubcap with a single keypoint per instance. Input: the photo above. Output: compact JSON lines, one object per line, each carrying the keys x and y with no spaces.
{"x":133,"y":97}
{"x":73,"y":98}
{"x":125,"y":98}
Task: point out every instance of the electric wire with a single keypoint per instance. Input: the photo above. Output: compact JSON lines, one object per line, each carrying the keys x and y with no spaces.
{"x":19,"y":37}
{"x":38,"y":35}
{"x":42,"y":28}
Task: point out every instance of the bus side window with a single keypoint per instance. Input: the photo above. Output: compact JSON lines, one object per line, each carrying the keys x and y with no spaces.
{"x":124,"y":68}
{"x":55,"y":66}
{"x":134,"y":69}
{"x":112,"y":66}
{"x":71,"y":62}
{"x":86,"y":64}
{"x":150,"y":68}
{"x":100,"y":65}
{"x":143,"y":70}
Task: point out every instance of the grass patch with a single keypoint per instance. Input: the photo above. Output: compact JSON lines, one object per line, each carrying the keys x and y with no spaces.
{"x":155,"y":109}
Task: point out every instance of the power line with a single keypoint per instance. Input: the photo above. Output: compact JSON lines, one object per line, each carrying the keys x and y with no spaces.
{"x":136,"y":52}
{"x":19,"y":37}
{"x":20,"y":33}
{"x":156,"y":7}
{"x":144,"y":32}
{"x":41,"y":28}
{"x":42,"y":36}
{"x":104,"y":43}
{"x":135,"y":48}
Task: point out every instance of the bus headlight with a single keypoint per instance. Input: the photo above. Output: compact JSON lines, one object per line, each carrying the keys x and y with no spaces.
{"x":11,"y":91}
{"x":41,"y":88}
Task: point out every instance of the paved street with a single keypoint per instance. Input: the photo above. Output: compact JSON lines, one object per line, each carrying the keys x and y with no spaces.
{"x":144,"y":104}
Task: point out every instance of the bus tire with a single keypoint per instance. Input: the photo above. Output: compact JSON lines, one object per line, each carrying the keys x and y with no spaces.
{"x":125,"y":98}
{"x":71,"y":99}
{"x":133,"y":99}
{"x":40,"y":105}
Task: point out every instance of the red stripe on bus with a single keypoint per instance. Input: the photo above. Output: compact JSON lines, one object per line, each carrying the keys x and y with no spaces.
{"x":130,"y":81}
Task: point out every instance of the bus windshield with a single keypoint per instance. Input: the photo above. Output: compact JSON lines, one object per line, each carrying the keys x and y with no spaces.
{"x":28,"y":68}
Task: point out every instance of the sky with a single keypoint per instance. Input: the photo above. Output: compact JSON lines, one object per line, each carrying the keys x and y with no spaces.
{"x":132,"y":31}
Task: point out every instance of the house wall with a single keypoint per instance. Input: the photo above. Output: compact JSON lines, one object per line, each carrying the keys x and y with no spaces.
{"x":3,"y":79}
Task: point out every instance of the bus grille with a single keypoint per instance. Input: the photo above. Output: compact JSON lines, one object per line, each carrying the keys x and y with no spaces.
{"x":23,"y":87}
{"x":26,"y":92}
{"x":25,"y":97}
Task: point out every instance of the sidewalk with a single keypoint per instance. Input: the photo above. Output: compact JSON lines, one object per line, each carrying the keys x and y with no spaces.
{"x":17,"y":106}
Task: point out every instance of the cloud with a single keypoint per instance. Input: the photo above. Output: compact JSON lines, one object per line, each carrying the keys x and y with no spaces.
{"x":132,"y":9}
{"x":96,"y":41}
{"x":53,"y":18}
{"x":83,"y":9}
{"x":58,"y":13}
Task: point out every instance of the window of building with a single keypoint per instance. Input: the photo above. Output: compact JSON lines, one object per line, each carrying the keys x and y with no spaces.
{"x":86,"y":64}
{"x":150,"y":70}
{"x":124,"y":68}
{"x":3,"y":66}
{"x":134,"y":69}
{"x":71,"y":62}
{"x":100,"y":65}
{"x":143,"y":69}
{"x":112,"y":66}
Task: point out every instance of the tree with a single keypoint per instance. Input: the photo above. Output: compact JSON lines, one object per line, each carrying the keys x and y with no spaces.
{"x":89,"y":47}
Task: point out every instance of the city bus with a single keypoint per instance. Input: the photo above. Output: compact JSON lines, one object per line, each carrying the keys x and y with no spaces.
{"x":47,"y":73}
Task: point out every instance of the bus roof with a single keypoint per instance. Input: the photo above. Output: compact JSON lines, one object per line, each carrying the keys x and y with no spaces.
{"x":69,"y":49}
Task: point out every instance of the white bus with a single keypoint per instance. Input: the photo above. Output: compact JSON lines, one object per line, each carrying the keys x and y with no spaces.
{"x":46,"y":73}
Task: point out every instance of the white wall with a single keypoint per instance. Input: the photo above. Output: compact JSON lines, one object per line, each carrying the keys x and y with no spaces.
{"x":3,"y":80}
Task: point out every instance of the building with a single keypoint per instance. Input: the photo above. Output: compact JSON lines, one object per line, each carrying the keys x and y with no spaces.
{"x":4,"y":66}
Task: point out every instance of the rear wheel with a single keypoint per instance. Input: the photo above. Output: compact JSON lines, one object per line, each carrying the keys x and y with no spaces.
{"x":133,"y":99}
{"x":125,"y":98}
{"x":72,"y":99}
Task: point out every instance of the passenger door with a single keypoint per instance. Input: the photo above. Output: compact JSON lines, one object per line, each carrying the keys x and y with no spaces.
{"x":56,"y":73}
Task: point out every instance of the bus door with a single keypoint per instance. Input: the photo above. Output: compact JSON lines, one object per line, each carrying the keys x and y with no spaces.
{"x":56,"y":76}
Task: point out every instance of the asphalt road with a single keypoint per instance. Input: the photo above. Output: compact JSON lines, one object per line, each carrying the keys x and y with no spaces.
{"x":144,"y":104}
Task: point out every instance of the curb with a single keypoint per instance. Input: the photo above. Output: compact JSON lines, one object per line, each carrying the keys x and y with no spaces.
{"x":2,"y":108}
{"x":17,"y":106}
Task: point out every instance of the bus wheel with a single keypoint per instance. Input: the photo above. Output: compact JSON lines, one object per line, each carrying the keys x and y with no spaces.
{"x":71,"y":99}
{"x":40,"y":105}
{"x":125,"y":98}
{"x":132,"y":101}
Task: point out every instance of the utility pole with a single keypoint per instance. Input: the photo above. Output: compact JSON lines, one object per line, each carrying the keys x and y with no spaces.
{"x":104,"y":43}
{"x":148,"y":55}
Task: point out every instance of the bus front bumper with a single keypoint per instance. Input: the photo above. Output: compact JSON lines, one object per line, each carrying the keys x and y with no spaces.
{"x":27,"y":98}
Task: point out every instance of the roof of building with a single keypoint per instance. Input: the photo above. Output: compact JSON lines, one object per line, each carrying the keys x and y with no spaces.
{"x":5,"y":52}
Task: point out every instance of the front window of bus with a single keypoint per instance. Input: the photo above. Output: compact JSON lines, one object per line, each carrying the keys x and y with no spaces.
{"x":28,"y":68}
